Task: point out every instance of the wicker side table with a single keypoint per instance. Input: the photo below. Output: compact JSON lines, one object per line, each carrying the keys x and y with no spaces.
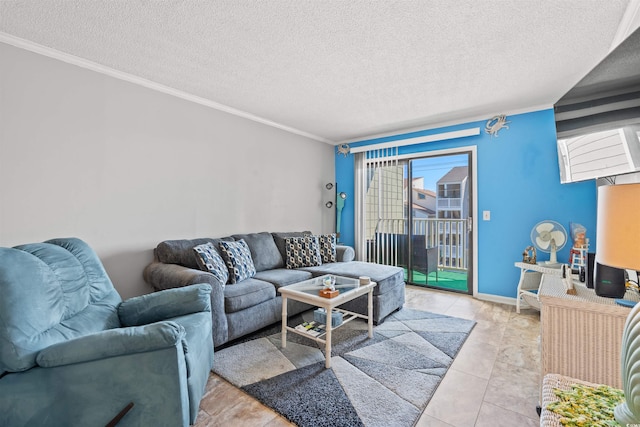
{"x":582,"y":333}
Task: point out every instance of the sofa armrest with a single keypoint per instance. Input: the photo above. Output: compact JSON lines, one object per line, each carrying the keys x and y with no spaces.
{"x":165,"y":304}
{"x":345,"y":253}
{"x":165,"y":276}
{"x":112,"y":342}
{"x":168,"y":276}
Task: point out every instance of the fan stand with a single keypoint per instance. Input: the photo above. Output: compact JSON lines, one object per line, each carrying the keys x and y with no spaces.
{"x":553,"y":256}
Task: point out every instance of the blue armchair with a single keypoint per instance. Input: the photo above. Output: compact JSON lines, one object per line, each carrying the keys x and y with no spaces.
{"x":73,"y":354}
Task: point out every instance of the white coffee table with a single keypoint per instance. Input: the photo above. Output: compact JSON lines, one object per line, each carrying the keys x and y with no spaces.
{"x":307,"y":292}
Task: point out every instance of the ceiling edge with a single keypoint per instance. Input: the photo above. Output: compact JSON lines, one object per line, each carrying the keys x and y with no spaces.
{"x":439,"y":125}
{"x":628,"y":24}
{"x":102,"y":69}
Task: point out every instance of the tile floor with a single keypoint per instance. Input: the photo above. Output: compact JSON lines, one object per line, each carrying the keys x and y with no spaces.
{"x":494,"y":380}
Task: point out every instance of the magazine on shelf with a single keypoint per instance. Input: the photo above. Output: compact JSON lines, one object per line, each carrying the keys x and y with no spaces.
{"x":312,"y":328}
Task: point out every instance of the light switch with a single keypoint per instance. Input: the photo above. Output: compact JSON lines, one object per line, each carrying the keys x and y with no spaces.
{"x":486,"y":215}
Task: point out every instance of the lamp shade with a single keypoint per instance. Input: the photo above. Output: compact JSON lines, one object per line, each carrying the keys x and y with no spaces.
{"x":618,"y":231}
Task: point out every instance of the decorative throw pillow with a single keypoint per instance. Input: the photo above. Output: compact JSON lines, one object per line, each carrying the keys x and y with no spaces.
{"x":302,"y":252}
{"x":237,"y":256}
{"x":327,"y":243}
{"x":209,"y":259}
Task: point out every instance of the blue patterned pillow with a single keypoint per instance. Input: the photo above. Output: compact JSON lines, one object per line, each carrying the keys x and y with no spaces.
{"x":302,"y":252}
{"x":237,"y":255}
{"x":327,"y":243}
{"x":209,"y":259}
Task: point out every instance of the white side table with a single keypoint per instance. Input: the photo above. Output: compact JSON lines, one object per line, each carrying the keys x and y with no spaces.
{"x":529,"y":284}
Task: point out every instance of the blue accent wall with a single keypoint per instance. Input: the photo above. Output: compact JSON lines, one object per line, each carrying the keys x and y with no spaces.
{"x":518,"y":181}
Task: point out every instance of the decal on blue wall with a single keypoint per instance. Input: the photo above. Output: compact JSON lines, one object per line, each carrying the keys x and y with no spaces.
{"x":518,"y":181}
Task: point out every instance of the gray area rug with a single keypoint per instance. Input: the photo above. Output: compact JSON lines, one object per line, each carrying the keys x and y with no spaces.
{"x":383,"y":381}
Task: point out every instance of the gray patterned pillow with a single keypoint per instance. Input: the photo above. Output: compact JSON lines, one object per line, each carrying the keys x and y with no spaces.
{"x":302,"y":252}
{"x":327,"y":243}
{"x":209,"y":259}
{"x":237,"y":256}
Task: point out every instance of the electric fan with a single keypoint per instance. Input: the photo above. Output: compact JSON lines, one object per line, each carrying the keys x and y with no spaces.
{"x":549,"y":236}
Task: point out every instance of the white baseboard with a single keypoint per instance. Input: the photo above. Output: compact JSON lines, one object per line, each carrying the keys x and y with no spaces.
{"x":496,"y":298}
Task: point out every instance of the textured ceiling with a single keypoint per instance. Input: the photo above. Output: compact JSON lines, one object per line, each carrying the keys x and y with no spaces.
{"x":337,"y":70}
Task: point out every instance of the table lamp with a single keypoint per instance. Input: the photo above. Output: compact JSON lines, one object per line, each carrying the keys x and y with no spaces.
{"x":618,"y":245}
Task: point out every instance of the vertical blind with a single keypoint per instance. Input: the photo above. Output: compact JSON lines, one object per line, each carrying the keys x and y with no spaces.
{"x":380,"y":207}
{"x":380,"y":215}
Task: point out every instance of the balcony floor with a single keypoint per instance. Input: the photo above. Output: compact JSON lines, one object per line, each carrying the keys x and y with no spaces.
{"x":448,"y":280}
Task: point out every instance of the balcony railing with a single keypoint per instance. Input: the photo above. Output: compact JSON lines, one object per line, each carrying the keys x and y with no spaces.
{"x":450,"y":203}
{"x":388,"y":245}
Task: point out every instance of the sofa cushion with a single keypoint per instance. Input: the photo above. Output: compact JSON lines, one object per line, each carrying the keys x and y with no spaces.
{"x":387,"y":277}
{"x":210,"y":260}
{"x":246,"y":294}
{"x":279,"y":238}
{"x":237,"y":256}
{"x":264,"y":252}
{"x":283,"y":277}
{"x":327,"y":244}
{"x":302,"y":252}
{"x":181,"y":251}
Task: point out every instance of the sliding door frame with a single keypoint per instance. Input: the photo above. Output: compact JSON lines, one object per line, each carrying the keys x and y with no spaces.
{"x":473,"y":211}
{"x":473,"y":202}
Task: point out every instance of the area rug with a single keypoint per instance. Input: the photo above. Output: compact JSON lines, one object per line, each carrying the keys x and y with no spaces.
{"x":385,"y":381}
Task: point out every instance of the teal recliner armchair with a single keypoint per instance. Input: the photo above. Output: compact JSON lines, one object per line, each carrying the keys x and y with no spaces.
{"x":73,"y":354}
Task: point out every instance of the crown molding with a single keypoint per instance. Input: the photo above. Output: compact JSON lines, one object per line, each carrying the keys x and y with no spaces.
{"x":102,"y":69}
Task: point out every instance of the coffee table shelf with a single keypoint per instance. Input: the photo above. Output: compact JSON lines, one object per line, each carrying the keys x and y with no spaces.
{"x":318,"y":338}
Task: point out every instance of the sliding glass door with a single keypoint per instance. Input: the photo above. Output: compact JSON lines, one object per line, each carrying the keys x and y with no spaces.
{"x":440,"y":222}
{"x":416,"y":215}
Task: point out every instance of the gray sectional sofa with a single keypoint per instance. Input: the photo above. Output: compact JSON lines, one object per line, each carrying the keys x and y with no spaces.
{"x":253,"y":303}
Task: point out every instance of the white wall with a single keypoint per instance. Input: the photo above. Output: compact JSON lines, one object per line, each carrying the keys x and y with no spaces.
{"x":124,"y":167}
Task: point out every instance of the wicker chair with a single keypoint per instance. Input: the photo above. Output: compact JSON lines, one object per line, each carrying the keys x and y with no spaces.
{"x":551,"y":382}
{"x":627,"y":412}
